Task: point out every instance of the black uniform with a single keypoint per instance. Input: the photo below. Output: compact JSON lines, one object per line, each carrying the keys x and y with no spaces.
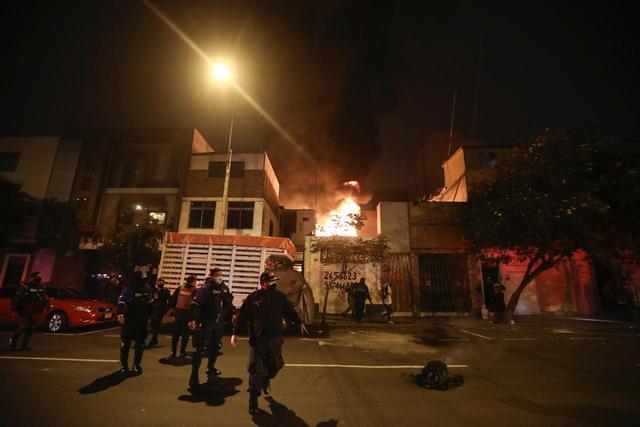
{"x":29,"y":301}
{"x":205,"y":309}
{"x":161,"y":297}
{"x":136,"y":303}
{"x":360,"y":293}
{"x":180,"y":302}
{"x":225,"y":301}
{"x":263,"y":312}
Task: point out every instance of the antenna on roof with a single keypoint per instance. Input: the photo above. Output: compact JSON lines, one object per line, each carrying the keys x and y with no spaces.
{"x":453,"y":116}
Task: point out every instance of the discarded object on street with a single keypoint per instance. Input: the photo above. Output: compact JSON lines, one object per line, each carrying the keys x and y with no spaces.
{"x":435,"y":375}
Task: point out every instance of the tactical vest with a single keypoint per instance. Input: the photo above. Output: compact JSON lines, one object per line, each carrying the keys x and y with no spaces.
{"x":185,"y":295}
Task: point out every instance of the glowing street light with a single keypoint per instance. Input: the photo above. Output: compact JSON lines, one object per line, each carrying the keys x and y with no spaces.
{"x":221,"y":71}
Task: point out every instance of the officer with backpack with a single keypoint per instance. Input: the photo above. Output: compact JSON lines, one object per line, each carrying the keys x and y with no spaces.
{"x":179,"y":309}
{"x":29,"y":301}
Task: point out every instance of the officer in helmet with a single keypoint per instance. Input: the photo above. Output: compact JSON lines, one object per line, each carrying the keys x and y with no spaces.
{"x":262,"y":312}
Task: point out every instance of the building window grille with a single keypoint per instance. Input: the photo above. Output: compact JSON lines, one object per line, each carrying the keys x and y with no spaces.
{"x":201,"y":214}
{"x":240,"y":215}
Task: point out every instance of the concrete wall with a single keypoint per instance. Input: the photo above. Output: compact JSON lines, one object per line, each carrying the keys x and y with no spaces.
{"x":261,"y":216}
{"x":393,"y":222}
{"x":37,"y":156}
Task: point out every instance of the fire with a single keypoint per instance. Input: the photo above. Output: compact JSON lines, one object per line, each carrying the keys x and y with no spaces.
{"x":342,"y":221}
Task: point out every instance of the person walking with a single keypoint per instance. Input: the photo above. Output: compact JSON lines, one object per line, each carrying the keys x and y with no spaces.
{"x":203,"y":313}
{"x":387,"y":301}
{"x":498,"y":301}
{"x":134,"y":307}
{"x":225,"y":302}
{"x":262,"y":312}
{"x":350,"y":300}
{"x":29,"y":301}
{"x":179,"y":309}
{"x":161,"y":297}
{"x":361,"y":294}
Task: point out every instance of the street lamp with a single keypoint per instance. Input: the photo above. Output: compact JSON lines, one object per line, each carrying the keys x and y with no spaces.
{"x":222,"y":73}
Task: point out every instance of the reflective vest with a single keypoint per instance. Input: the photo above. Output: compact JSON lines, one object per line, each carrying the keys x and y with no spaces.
{"x":185,"y":295}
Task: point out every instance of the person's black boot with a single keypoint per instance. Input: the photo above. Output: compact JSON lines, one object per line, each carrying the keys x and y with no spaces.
{"x":266,"y":388}
{"x":137,"y":369}
{"x":253,"y":402}
{"x":124,"y":368}
{"x":194,"y":382}
{"x":12,"y":343}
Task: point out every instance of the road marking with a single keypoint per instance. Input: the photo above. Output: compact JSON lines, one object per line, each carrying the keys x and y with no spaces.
{"x":476,"y":335}
{"x":80,"y":333}
{"x":584,"y":319}
{"x":318,"y":365}
{"x":521,"y":339}
{"x":99,"y":330}
{"x":59,"y":359}
{"x":335,"y":344}
{"x":454,"y":339}
{"x":315,"y":339}
{"x":586,"y":338}
{"x":112,"y":336}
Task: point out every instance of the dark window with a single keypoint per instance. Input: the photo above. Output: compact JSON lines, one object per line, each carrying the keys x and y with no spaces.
{"x":488,"y":159}
{"x":9,"y":161}
{"x":240,"y":215}
{"x":201,"y":214}
{"x":271,"y":228}
{"x":217,"y":169}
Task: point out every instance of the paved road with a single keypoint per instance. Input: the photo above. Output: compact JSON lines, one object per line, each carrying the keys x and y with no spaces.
{"x":551,"y":372}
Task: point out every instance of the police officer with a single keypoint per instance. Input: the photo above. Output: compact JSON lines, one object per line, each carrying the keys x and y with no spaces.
{"x":204,"y":311}
{"x":263,"y":311}
{"x":180,"y":302}
{"x":360,"y":293}
{"x":224,"y":301}
{"x":134,"y":306}
{"x":160,"y":296}
{"x":29,"y":301}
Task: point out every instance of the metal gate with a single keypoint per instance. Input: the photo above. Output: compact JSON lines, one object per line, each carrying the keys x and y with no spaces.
{"x":444,"y":283}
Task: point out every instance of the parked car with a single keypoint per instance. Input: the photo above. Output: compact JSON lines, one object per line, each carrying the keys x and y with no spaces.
{"x":67,"y":309}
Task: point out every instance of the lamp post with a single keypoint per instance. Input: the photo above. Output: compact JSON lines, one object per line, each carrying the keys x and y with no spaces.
{"x":222,"y":73}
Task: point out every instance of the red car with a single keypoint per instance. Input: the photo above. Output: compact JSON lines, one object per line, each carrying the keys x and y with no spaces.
{"x":67,"y":309}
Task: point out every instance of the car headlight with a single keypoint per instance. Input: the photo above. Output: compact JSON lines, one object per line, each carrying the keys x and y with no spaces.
{"x":86,"y":309}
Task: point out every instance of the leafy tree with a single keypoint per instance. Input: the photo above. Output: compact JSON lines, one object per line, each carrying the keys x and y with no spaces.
{"x":14,"y":210}
{"x":348,"y":251}
{"x":132,"y":246}
{"x":563,"y":193}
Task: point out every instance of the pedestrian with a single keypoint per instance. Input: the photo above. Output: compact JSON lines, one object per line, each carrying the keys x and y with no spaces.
{"x":134,"y":307}
{"x":29,"y":301}
{"x":203,"y":314}
{"x":225,"y":301}
{"x":180,"y":302}
{"x":350,"y":299}
{"x":386,"y":300}
{"x":263,"y":312}
{"x":161,"y":297}
{"x":360,"y":293}
{"x":498,"y":301}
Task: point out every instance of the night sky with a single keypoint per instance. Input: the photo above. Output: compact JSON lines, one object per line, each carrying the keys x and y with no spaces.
{"x":358,"y":84}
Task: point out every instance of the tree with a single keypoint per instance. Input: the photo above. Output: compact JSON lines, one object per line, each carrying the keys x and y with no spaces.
{"x":14,"y":210}
{"x":564,"y":192}
{"x":346,"y":251}
{"x":132,"y":246}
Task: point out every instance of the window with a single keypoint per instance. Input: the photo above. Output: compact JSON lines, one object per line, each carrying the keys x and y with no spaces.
{"x":201,"y":214}
{"x":488,"y":159}
{"x":217,"y":169}
{"x":240,"y":215}
{"x":271,"y":228}
{"x":9,"y":161}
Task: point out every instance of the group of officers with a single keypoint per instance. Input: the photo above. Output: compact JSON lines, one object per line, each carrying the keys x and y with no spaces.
{"x":200,"y":312}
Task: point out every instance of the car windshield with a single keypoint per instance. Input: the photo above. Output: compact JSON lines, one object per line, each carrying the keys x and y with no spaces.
{"x":63,"y":293}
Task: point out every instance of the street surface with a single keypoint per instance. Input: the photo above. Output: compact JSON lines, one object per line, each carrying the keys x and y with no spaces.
{"x":540,"y":372}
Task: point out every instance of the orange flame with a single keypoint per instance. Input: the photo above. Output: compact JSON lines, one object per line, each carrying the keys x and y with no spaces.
{"x":341,"y":221}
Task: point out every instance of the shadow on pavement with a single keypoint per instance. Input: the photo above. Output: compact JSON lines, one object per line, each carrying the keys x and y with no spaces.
{"x":175,"y":361}
{"x":589,"y":414}
{"x":282,"y":416}
{"x":213,"y":393}
{"x":103,"y":383}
